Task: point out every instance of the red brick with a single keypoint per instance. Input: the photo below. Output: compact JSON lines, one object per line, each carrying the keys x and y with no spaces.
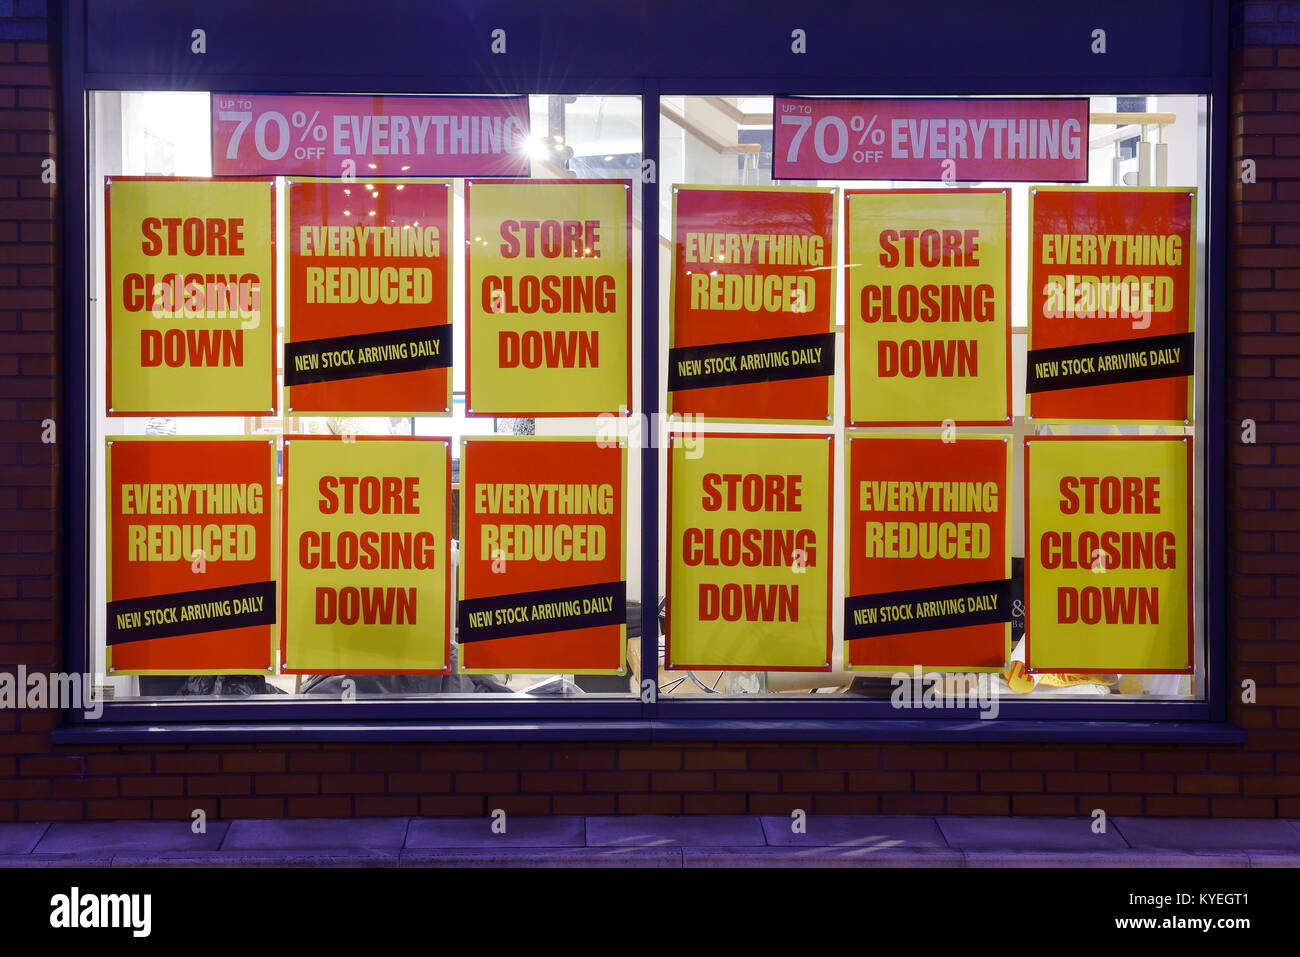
{"x":782,"y":805}
{"x":1072,"y":782}
{"x":1142,"y":783}
{"x":1286,"y":763}
{"x":752,"y":781}
{"x":187,"y":763}
{"x":320,"y":761}
{"x":978,"y":804}
{"x":1174,"y":761}
{"x":912,"y":760}
{"x":1251,"y":56}
{"x":233,"y":808}
{"x":319,"y":806}
{"x":1054,"y":760}
{"x":1179,"y":806}
{"x":1112,"y":804}
{"x":119,"y":810}
{"x":714,"y":804}
{"x":551,"y":781}
{"x":832,"y":758}
{"x":26,"y":788}
{"x":911,"y":804}
{"x":360,"y":783}
{"x":617,"y":781}
{"x":466,"y":760}
{"x":1108,"y":761}
{"x":867,"y":781}
{"x":783,"y":759}
{"x":522,"y":804}
{"x":841,"y":804}
{"x":452,"y":805}
{"x":51,"y":811}
{"x":1257,"y":102}
{"x":218,"y":785}
{"x":387,"y":760}
{"x":517,"y":761}
{"x":813,"y":781}
{"x":286,"y":784}
{"x":420,"y":783}
{"x":945,"y":780}
{"x":487,"y":782}
{"x":253,"y":762}
{"x":1010,"y":781}
{"x":34,"y":53}
{"x":1272,"y":785}
{"x":182,"y":809}
{"x":1244,"y":807}
{"x":649,"y":804}
{"x":1059,"y":805}
{"x":24,"y":76}
{"x":591,"y":760}
{"x":82,"y":788}
{"x":388,"y":806}
{"x":715,"y":760}
{"x":650,"y":760}
{"x":51,"y":766}
{"x":1208,"y":784}
{"x":682,"y":781}
{"x":152,"y":786}
{"x":584,"y":804}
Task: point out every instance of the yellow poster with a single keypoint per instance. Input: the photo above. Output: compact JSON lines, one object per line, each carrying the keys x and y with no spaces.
{"x":191,"y":296}
{"x":1108,"y":554}
{"x":749,"y":553}
{"x":366,"y":571}
{"x":927,"y":323}
{"x":548,"y":297}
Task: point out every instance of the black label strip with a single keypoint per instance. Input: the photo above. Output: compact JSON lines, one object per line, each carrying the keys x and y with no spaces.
{"x":539,"y":612}
{"x":368,"y":354}
{"x":1110,"y":363}
{"x":758,"y":360}
{"x":191,"y":612}
{"x":927,"y":609}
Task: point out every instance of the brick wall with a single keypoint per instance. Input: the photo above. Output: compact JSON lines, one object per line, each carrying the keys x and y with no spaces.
{"x":1259,"y":779}
{"x":29,"y":385}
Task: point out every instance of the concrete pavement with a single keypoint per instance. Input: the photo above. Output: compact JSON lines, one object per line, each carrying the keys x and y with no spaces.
{"x":658,"y":841}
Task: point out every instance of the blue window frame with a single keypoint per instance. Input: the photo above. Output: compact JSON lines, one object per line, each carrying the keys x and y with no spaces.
{"x":927,"y":48}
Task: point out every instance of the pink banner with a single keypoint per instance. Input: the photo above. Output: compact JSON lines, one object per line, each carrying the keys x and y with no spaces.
{"x":953,"y":140}
{"x":322,"y":135}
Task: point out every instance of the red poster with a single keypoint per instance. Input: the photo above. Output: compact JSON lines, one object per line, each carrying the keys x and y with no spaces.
{"x":960,"y":140}
{"x":542,"y":573}
{"x":929,"y":564}
{"x":1111,"y":304}
{"x":753,"y":327}
{"x":369,"y":301}
{"x":190,"y":546}
{"x":357,"y":135}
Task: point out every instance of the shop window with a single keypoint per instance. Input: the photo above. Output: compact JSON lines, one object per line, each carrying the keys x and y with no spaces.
{"x":844,"y":469}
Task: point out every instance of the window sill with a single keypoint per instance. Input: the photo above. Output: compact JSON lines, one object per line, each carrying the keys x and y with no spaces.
{"x":951,"y":731}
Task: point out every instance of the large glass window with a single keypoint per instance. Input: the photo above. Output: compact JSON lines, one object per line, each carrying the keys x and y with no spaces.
{"x":1132,"y":141}
{"x":169,"y":134}
{"x":1140,"y":141}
